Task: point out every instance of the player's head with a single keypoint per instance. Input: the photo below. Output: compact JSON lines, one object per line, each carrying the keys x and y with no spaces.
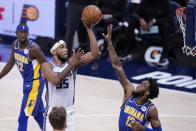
{"x":58,"y":48}
{"x":22,"y":31}
{"x":148,"y":88}
{"x":57,"y":118}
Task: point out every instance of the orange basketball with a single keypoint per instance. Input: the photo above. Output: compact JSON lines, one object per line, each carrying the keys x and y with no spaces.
{"x":91,"y":15}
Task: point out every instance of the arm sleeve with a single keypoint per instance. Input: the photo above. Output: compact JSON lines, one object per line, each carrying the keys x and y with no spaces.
{"x":154,"y":129}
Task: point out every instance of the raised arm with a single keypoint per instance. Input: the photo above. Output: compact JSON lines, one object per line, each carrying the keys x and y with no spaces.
{"x":56,"y":79}
{"x":10,"y":63}
{"x":116,"y":64}
{"x":94,"y":51}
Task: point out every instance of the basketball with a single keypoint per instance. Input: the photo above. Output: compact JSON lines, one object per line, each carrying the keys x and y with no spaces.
{"x":91,"y":15}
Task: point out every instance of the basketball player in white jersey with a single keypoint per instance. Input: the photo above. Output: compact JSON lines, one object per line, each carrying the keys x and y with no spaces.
{"x":61,"y":75}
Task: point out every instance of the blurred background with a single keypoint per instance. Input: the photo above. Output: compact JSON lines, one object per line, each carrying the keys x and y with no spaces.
{"x":141,"y":50}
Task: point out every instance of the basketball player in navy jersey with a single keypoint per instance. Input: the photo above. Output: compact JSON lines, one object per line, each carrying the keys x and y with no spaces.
{"x":136,"y":110}
{"x":28,"y":57}
{"x":60,"y":73}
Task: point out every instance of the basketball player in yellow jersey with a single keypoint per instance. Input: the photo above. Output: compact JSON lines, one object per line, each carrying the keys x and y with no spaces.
{"x":28,"y":57}
{"x":136,"y":110}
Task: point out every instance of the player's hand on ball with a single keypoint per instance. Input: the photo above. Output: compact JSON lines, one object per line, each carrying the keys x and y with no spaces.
{"x":86,"y":25}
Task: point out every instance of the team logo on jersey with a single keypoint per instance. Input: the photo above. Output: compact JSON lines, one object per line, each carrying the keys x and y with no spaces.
{"x":143,"y":108}
{"x":28,"y":86}
{"x":32,"y":102}
{"x":26,"y":51}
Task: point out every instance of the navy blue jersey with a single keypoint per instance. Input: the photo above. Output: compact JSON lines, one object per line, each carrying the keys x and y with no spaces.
{"x":30,"y":70}
{"x":131,"y":111}
{"x":33,"y":81}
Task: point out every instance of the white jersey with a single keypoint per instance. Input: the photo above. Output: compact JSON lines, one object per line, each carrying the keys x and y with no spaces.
{"x":61,"y":95}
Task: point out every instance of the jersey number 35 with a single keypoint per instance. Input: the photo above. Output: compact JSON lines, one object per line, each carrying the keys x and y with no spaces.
{"x":64,"y":84}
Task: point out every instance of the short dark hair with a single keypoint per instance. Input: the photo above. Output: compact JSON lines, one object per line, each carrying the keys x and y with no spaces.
{"x":51,"y":43}
{"x":57,"y":117}
{"x":154,"y":89}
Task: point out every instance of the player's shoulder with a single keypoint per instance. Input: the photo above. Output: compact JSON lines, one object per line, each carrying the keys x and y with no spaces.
{"x":14,"y":42}
{"x":34,"y":46}
{"x":48,"y":64}
{"x":13,"y":45}
{"x":32,"y":43}
{"x":152,"y":110}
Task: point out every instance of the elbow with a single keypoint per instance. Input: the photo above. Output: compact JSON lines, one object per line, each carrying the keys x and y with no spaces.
{"x":56,"y":81}
{"x":95,"y":54}
{"x":115,"y":67}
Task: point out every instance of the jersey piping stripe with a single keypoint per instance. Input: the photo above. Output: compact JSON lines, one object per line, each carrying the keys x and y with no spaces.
{"x":30,"y":44}
{"x":74,"y":78}
{"x":34,"y":92}
{"x":32,"y":97}
{"x":36,"y":71}
{"x":126,"y":102}
{"x":147,"y":112}
{"x":25,"y":47}
{"x":52,"y":61}
{"x":47,"y":106}
{"x":141,"y":104}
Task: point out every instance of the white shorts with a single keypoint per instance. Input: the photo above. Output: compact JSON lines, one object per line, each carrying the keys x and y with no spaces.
{"x":71,"y":120}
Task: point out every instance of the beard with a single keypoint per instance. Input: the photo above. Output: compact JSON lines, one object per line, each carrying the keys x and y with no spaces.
{"x":22,"y":40}
{"x":138,"y":93}
{"x":61,"y":58}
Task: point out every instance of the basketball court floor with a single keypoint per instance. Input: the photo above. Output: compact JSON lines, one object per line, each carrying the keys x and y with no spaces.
{"x":97,"y":105}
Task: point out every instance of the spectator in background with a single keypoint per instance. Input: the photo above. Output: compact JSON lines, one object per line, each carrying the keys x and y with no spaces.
{"x":181,"y":2}
{"x":113,"y":12}
{"x":147,"y":14}
{"x":74,"y":23}
{"x":57,"y":118}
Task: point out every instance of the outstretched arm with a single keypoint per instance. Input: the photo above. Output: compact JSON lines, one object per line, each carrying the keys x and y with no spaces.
{"x":94,"y":51}
{"x":56,"y":79}
{"x":116,"y":64}
{"x":10,"y":63}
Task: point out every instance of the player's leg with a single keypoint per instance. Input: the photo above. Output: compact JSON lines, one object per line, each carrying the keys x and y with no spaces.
{"x":166,"y":30}
{"x":39,"y":119}
{"x":23,"y":119}
{"x":47,"y":126}
{"x":72,"y":23}
{"x":22,"y":122}
{"x":71,"y":120}
{"x":39,"y":106}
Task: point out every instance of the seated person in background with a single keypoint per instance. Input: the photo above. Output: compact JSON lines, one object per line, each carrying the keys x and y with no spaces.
{"x":147,"y":14}
{"x":113,"y":12}
{"x":57,"y":118}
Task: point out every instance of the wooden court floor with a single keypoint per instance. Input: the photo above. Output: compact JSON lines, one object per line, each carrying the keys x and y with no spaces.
{"x":97,"y":105}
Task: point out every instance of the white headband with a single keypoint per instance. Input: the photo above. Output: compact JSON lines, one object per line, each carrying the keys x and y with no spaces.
{"x":56,"y":45}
